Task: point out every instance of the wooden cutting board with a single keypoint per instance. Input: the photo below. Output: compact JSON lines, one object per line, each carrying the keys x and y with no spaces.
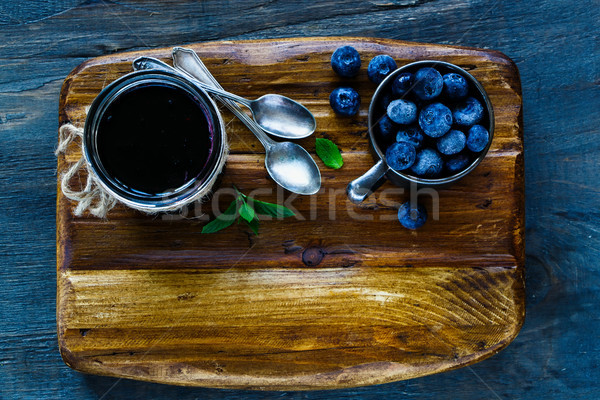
{"x":343,"y":296}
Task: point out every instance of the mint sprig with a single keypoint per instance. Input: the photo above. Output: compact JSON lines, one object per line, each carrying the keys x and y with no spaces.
{"x":272,"y":210}
{"x":329,"y":153}
{"x":246,"y":209}
{"x":223,"y":220}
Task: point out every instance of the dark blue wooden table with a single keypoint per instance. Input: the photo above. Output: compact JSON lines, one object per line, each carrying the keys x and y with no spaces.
{"x":556,"y":46}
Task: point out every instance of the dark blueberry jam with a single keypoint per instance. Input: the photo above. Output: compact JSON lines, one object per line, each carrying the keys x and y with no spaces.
{"x":154,"y":139}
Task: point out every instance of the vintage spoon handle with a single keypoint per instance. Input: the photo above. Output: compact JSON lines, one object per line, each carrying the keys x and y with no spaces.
{"x":187,"y":60}
{"x":277,"y":115}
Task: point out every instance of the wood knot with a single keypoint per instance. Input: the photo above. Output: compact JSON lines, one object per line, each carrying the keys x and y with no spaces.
{"x":485,"y":204}
{"x":313,"y":256}
{"x":186,"y":296}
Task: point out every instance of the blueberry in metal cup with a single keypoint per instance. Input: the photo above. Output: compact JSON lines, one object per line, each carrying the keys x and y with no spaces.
{"x":468,"y":112}
{"x":401,"y":155}
{"x":435,"y":119}
{"x":452,"y":142}
{"x":455,"y":86}
{"x":402,"y":112}
{"x":448,"y":111}
{"x":478,"y":138}
{"x":380,"y":67}
{"x":428,"y":163}
{"x":403,"y":83}
{"x":386,"y":128}
{"x":428,"y":83}
{"x":411,"y":134}
{"x":457,"y":164}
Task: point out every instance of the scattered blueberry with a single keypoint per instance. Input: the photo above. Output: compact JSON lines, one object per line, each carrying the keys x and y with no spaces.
{"x":344,"y":101}
{"x":345,"y":61}
{"x":412,"y":217}
{"x":468,"y":112}
{"x":452,"y":142}
{"x":402,"y":111}
{"x":435,"y":119}
{"x":387,"y":127}
{"x":455,"y":86}
{"x":402,"y":84}
{"x":400,"y":156}
{"x":457,"y":163}
{"x":412,"y":134}
{"x":428,"y":163}
{"x":380,"y":67}
{"x":428,"y":83}
{"x":478,"y":137}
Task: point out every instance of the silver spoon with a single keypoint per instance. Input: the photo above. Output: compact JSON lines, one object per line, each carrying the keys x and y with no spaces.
{"x":287,"y":163}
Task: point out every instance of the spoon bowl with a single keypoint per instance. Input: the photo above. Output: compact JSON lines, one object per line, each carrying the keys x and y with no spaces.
{"x":293,"y":168}
{"x":283,"y":117}
{"x":276,"y":114}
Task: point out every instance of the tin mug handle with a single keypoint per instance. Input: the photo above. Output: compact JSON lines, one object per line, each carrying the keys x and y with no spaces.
{"x":362,"y":187}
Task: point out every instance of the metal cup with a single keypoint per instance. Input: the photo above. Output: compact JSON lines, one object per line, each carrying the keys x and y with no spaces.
{"x":360,"y":188}
{"x":171,"y":199}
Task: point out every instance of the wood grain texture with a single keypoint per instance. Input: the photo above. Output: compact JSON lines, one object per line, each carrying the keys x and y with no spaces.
{"x":152,"y":299}
{"x":555,"y":47}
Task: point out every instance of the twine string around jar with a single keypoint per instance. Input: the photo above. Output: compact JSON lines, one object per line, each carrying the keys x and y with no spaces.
{"x":92,"y":197}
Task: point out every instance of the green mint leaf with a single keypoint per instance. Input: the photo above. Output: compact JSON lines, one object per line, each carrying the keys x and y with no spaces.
{"x":253,"y":225}
{"x":246,"y":212}
{"x":273,"y":210}
{"x":329,"y":153}
{"x":223,"y":220}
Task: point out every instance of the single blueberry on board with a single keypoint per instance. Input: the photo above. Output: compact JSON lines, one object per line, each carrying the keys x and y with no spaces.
{"x":477,"y":138}
{"x":402,"y":112}
{"x":452,"y":142}
{"x":402,"y":84}
{"x":468,"y":112}
{"x":412,"y":134}
{"x":344,"y":101}
{"x":428,"y":83}
{"x":345,"y":61}
{"x":400,"y":156}
{"x":412,"y":217}
{"x":379,"y":67}
{"x":387,"y":127}
{"x":428,"y":163}
{"x":455,"y":86}
{"x":435,"y":119}
{"x":457,"y":163}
